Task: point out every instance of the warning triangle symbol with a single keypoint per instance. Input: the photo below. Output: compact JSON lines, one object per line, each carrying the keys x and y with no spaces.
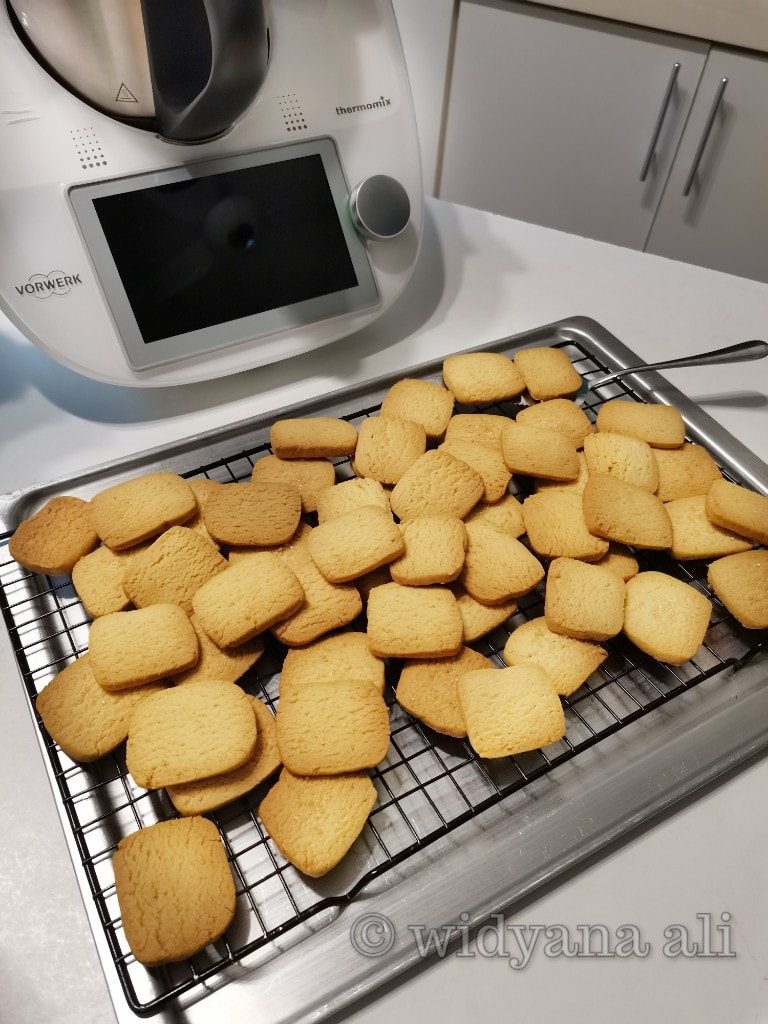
{"x":124,"y":95}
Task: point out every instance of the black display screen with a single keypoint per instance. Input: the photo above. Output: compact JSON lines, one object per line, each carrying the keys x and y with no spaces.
{"x":212,"y":249}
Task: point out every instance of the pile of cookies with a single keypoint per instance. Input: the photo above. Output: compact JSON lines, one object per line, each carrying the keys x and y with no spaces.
{"x":183,"y":579}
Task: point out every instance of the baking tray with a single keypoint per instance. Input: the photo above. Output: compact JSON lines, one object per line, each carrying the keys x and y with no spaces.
{"x":452,"y":839}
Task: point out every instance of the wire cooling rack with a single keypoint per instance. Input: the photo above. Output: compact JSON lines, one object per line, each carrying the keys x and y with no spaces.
{"x":428,"y":786}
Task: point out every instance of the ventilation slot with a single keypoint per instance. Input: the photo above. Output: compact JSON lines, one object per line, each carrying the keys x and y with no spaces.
{"x":293,"y":115}
{"x":88,"y":148}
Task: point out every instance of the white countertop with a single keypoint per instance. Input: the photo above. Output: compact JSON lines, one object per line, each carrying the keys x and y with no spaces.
{"x":480,"y":277}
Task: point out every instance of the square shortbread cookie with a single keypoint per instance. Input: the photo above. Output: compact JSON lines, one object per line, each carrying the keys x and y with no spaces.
{"x":626,"y":458}
{"x":576,"y":485}
{"x":739,"y":509}
{"x":255,"y":515}
{"x":477,"y":428}
{"x":437,"y":482}
{"x":505,"y":516}
{"x":127,"y":514}
{"x":434,"y":551}
{"x":621,"y":561}
{"x":560,"y":414}
{"x":476,"y":378}
{"x":55,"y":538}
{"x":554,"y":522}
{"x":175,"y":889}
{"x":214,"y":663}
{"x":333,"y":502}
{"x":616,"y":510}
{"x":486,"y":461}
{"x":583,"y":601}
{"x":694,"y":535}
{"x":247,"y":598}
{"x":660,"y":426}
{"x":428,"y":690}
{"x":327,"y":606}
{"x":498,"y":567}
{"x":134,"y":648}
{"x":209,"y":794}
{"x":413,"y":622}
{"x":421,"y":402}
{"x":478,"y":619}
{"x":314,"y":821}
{"x":547,"y":372}
{"x":172,"y":569}
{"x":332,"y":727}
{"x":684,"y":472}
{"x":84,"y":719}
{"x":741,"y":583}
{"x":312,"y":438}
{"x":308,"y":476}
{"x":665,"y":617}
{"x":333,"y":659}
{"x":534,"y":451}
{"x":510,"y":711}
{"x":190,"y":732}
{"x":98,"y":580}
{"x":355,"y":543}
{"x":567,"y":662}
{"x":387,"y":447}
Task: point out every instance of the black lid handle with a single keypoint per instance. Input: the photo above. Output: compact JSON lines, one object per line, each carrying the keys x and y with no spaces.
{"x":208,"y":59}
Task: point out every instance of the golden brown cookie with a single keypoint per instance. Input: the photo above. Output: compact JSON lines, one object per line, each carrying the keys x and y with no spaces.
{"x":421,"y":402}
{"x":127,"y":514}
{"x":510,"y":711}
{"x":560,"y":414}
{"x":84,"y":719}
{"x":209,"y":794}
{"x":247,"y":598}
{"x":257,"y":515}
{"x":547,"y":372}
{"x":333,"y":659}
{"x":621,"y":561}
{"x":355,"y":543}
{"x":55,"y":538}
{"x":434,"y":551}
{"x":190,"y":732}
{"x":214,"y":663}
{"x":175,"y":889}
{"x":627,"y":458}
{"x":314,"y":821}
{"x":333,"y":502}
{"x":694,"y":535}
{"x":476,"y":378}
{"x":498,"y":567}
{"x":332,"y":727}
{"x":172,"y":569}
{"x":486,"y":461}
{"x":428,"y":690}
{"x":583,"y":601}
{"x":387,"y":447}
{"x":665,"y":617}
{"x":684,"y":472}
{"x":534,"y":451}
{"x":437,"y":482}
{"x":739,"y":509}
{"x":478,"y":619}
{"x":312,"y":438}
{"x":567,"y":662}
{"x":477,"y":428}
{"x":554,"y":522}
{"x":98,"y":580}
{"x":741,"y":583}
{"x":138,"y":647}
{"x":660,"y":426}
{"x":505,"y":516}
{"x":576,"y":485}
{"x":308,"y":476}
{"x":413,"y":622}
{"x":616,"y":510}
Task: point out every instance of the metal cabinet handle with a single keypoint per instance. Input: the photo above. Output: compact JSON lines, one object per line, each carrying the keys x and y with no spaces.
{"x":660,"y":121}
{"x":705,"y":137}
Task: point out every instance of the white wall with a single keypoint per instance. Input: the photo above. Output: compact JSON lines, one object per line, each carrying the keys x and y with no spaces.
{"x":425,"y":27}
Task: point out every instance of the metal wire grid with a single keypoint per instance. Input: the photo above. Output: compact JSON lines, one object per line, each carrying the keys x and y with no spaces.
{"x":428,"y":786}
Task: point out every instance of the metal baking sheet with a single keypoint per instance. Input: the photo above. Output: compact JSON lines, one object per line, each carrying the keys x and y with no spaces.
{"x":452,"y":838}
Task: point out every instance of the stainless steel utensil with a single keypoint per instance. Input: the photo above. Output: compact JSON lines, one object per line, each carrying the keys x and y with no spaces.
{"x":741,"y":353}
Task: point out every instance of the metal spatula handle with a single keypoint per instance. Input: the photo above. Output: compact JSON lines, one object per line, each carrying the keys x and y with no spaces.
{"x":741,"y":353}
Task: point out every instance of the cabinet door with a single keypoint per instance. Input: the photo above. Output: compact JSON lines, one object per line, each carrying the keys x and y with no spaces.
{"x":551,"y":117}
{"x":723,"y":220}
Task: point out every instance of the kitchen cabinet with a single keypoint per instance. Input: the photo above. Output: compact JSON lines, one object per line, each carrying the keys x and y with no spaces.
{"x":723,"y":220}
{"x":553,"y":117}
